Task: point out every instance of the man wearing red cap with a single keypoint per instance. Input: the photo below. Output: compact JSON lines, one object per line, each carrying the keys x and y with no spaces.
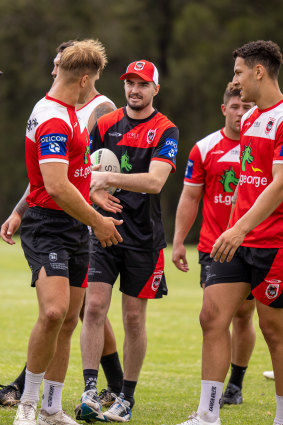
{"x":145,"y":142}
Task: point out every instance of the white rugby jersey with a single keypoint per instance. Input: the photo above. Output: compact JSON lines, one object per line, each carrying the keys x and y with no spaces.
{"x":85,"y":111}
{"x":54,"y":134}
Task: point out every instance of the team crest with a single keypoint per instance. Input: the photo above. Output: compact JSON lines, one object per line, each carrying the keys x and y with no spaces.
{"x":150,"y":136}
{"x":156,"y":282}
{"x":269,"y":125}
{"x":52,"y":256}
{"x":139,"y":66}
{"x":272,"y":291}
{"x":229,"y":178}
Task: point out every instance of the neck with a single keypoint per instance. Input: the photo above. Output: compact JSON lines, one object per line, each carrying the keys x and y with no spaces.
{"x":230,"y":133}
{"x":91,"y":95}
{"x":140,"y":115}
{"x":66,"y":93}
{"x":270,"y":96}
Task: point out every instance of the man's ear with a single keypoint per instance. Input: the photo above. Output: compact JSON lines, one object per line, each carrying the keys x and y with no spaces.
{"x":259,"y":71}
{"x":84,"y":79}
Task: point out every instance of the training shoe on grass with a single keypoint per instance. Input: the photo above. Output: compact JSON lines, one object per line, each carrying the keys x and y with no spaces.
{"x":107,"y":397}
{"x":194,"y":419}
{"x":10,"y":394}
{"x":89,"y":409}
{"x":26,"y":414}
{"x":58,"y":418}
{"x":120,"y":411}
{"x":268,"y":374}
{"x":233,"y":394}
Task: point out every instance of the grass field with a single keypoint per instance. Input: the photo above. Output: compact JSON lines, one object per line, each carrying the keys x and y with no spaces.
{"x":168,"y":389}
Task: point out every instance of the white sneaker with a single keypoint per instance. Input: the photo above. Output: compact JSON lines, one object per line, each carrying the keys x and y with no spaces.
{"x":268,"y":374}
{"x":194,"y":419}
{"x":90,"y":409}
{"x":26,"y":413}
{"x":120,"y":411}
{"x":58,"y":418}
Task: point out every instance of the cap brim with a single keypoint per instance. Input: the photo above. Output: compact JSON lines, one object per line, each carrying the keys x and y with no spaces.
{"x":139,"y":74}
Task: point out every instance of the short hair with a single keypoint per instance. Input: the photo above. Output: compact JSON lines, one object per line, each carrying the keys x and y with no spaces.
{"x":230,"y":91}
{"x":64,"y":45}
{"x":86,"y":56}
{"x":267,"y":53}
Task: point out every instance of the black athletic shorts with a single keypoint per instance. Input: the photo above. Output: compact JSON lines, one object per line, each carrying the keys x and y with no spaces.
{"x":141,"y":272}
{"x":205,"y":265}
{"x":261,"y":267}
{"x":56,"y":241}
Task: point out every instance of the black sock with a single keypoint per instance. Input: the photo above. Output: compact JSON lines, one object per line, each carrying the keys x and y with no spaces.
{"x":113,"y":371}
{"x":90,"y":377}
{"x":237,"y":375}
{"x":20,"y":380}
{"x":128,"y":389}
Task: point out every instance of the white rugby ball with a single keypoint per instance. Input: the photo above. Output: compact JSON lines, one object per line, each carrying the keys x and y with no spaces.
{"x":108,"y":161}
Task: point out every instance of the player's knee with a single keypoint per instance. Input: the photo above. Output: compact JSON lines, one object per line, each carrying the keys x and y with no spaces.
{"x":95,"y":311}
{"x":272,"y":334}
{"x":53,"y":316}
{"x":210,"y":319}
{"x":133,"y":321}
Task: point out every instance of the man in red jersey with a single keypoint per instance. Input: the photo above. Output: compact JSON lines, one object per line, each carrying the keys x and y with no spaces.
{"x":145,"y":142}
{"x":248,"y":256}
{"x":212,"y":172}
{"x":95,"y":106}
{"x":54,"y":240}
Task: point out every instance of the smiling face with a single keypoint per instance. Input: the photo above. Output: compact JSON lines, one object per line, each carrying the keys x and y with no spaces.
{"x":245,"y":79}
{"x":139,"y":93}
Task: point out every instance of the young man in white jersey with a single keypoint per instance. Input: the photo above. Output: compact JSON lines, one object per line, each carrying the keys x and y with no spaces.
{"x":212,"y":173}
{"x":95,"y":106}
{"x":248,"y":256}
{"x":57,"y":145}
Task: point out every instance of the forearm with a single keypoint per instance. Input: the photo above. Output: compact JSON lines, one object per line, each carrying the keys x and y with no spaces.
{"x":185,"y":218}
{"x":22,"y":205}
{"x":137,"y":182}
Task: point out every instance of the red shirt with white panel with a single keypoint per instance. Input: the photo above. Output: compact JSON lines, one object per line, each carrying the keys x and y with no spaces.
{"x":214,"y":163}
{"x":261,"y":147}
{"x":54,"y":134}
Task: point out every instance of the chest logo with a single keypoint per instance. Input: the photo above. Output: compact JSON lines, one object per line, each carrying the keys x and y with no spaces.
{"x":150,"y":136}
{"x":86,"y":154}
{"x":228,"y":178}
{"x":269,"y":125}
{"x":125,"y":164}
{"x":246,"y":157}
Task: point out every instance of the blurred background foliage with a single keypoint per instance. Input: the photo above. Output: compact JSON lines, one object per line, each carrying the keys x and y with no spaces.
{"x":190,"y":41}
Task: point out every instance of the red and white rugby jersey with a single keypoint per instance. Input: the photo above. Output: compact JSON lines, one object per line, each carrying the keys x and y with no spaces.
{"x":261,"y":147}
{"x":214,"y":163}
{"x":85,"y":111}
{"x":54,"y":134}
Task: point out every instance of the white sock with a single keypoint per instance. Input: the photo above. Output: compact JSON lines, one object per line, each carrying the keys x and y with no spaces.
{"x":32,"y":385}
{"x":52,"y":396}
{"x":279,"y":409}
{"x":209,"y":404}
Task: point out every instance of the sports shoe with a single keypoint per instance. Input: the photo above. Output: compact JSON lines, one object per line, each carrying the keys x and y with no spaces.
{"x":233,"y":394}
{"x":89,"y":409}
{"x":26,"y":413}
{"x":194,"y":419}
{"x":120,"y":411}
{"x":10,"y":394}
{"x":268,"y":374}
{"x":58,"y":418}
{"x":107,"y":397}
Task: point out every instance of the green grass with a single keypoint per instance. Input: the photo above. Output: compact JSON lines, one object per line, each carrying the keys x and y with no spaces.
{"x":169,"y":384}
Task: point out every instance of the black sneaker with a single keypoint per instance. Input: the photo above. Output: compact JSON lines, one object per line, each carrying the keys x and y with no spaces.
{"x":232,"y":395}
{"x":10,"y":395}
{"x":107,"y":397}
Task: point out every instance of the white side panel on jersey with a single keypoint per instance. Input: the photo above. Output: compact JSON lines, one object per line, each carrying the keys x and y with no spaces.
{"x":266,"y":125}
{"x":85,"y":111}
{"x":208,"y":143}
{"x":232,"y":156}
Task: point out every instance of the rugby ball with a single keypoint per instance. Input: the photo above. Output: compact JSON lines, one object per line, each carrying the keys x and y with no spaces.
{"x":108,"y":161}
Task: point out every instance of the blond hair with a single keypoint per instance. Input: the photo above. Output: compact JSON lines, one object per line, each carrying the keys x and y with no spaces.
{"x":83,"y":57}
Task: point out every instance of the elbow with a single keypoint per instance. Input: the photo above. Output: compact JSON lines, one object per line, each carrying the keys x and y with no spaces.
{"x":156,"y":188}
{"x":55,"y":189}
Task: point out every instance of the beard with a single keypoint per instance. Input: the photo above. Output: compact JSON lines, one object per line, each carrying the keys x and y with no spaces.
{"x":136,"y":107}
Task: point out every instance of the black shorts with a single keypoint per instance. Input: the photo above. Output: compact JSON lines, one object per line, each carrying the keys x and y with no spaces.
{"x":261,"y":267}
{"x":141,"y":272}
{"x":56,"y":241}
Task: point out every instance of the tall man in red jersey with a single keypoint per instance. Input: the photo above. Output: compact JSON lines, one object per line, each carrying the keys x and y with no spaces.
{"x":212,"y":172}
{"x":145,"y":142}
{"x":253,"y":246}
{"x":54,"y":240}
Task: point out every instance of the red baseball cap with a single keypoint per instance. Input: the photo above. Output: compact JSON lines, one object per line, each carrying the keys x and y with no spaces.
{"x":144,"y":69}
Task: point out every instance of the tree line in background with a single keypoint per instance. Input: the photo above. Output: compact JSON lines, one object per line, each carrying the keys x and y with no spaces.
{"x":190,"y":41}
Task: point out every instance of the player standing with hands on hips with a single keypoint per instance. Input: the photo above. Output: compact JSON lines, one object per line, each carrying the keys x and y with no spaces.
{"x":54,"y":240}
{"x":145,"y":142}
{"x":248,"y":256}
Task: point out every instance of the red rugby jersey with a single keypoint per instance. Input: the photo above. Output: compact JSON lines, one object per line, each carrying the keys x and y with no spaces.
{"x":54,"y":134}
{"x":261,"y":147}
{"x":214,"y":163}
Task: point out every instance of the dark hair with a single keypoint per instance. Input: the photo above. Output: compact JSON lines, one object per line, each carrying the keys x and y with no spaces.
{"x":64,"y":45}
{"x":230,"y":91}
{"x":267,"y":53}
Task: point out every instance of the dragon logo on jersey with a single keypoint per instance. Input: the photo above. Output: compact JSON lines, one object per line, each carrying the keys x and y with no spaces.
{"x":269,"y":125}
{"x":86,"y":154}
{"x":32,"y":124}
{"x":150,"y":136}
{"x":125,"y":163}
{"x":272,"y":290}
{"x":229,"y":177}
{"x":246,"y":157}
